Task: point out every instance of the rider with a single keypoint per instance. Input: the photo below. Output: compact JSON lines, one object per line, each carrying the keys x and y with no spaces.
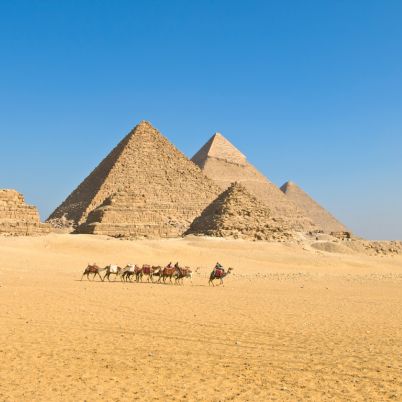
{"x":218,"y":266}
{"x":169,"y":265}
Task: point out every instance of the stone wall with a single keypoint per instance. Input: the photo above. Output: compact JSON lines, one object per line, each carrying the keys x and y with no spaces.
{"x":18,"y":218}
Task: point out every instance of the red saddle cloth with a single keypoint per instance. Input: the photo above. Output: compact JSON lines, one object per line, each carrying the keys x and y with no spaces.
{"x":219,"y":272}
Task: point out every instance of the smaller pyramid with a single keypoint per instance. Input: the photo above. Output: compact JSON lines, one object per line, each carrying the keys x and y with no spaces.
{"x":320,"y":216}
{"x":18,"y":218}
{"x":236,"y":213}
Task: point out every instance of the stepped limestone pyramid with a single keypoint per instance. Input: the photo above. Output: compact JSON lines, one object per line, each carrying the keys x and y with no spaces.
{"x":237,"y":213}
{"x":18,"y":218}
{"x":225,"y":164}
{"x":321,"y":217}
{"x":144,"y":187}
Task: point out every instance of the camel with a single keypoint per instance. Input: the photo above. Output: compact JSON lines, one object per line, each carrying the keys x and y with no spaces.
{"x":112,"y":270}
{"x":146,"y":270}
{"x":156,"y":271}
{"x":182,"y":273}
{"x":168,"y":272}
{"x":218,"y":274}
{"x":129,"y":271}
{"x":93,"y":269}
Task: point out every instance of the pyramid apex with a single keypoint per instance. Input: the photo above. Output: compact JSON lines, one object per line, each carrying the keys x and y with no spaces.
{"x":144,"y":124}
{"x":220,"y":148}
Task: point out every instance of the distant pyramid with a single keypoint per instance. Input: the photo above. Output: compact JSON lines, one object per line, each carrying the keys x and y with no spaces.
{"x":18,"y":218}
{"x":143,"y":172}
{"x":239,"y":214}
{"x":225,"y":164}
{"x":220,"y":148}
{"x":321,"y":217}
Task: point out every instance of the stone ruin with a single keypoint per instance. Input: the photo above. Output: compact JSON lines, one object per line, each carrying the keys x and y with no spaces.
{"x":237,"y":213}
{"x":320,"y":216}
{"x":18,"y":218}
{"x":224,"y":164}
{"x":144,"y":188}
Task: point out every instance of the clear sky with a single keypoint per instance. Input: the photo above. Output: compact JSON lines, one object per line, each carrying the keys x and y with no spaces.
{"x":310,"y":91}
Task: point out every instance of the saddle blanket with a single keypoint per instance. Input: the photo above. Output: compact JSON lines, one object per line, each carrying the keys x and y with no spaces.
{"x":113,"y":268}
{"x":219,"y":272}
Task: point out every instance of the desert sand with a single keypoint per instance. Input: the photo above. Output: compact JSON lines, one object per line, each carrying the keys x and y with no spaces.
{"x":291,"y":323}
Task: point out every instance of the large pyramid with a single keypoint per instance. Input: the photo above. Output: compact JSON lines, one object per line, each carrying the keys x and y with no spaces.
{"x":225,"y":164}
{"x":18,"y":218}
{"x":321,"y":217}
{"x":239,"y":214}
{"x":144,"y":184}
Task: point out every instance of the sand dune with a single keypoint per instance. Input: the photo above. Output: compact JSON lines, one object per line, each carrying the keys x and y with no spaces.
{"x":290,"y":324}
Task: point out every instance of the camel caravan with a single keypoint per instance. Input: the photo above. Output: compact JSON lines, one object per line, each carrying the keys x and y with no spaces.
{"x":170,"y":274}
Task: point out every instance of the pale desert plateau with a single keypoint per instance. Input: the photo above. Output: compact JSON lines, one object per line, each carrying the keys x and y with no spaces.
{"x":290,"y":324}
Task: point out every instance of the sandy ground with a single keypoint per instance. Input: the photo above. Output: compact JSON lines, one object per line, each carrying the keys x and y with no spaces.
{"x":289,"y":324}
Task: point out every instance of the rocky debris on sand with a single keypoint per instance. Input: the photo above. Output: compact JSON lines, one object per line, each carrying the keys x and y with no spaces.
{"x":62,"y":223}
{"x":376,"y":248}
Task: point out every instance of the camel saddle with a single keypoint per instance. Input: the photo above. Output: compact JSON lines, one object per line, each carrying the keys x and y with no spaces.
{"x":219,"y":272}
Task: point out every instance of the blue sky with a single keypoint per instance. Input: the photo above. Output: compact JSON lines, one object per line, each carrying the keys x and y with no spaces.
{"x":310,"y":91}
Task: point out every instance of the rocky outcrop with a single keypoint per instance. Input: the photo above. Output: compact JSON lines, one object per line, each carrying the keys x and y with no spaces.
{"x":18,"y":218}
{"x":237,"y":213}
{"x":320,"y":216}
{"x":224,"y":163}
